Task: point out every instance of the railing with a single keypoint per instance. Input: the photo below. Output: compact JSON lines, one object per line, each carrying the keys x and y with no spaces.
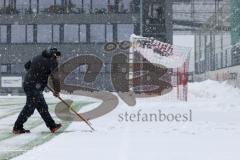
{"x":61,"y":9}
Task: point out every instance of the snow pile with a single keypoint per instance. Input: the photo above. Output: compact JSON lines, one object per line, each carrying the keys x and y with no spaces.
{"x":213,"y":89}
{"x":221,"y":94}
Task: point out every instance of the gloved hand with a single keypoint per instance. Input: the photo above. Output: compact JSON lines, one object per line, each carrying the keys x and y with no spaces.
{"x":56,"y":94}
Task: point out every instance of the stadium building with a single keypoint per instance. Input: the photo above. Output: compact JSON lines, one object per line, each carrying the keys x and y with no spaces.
{"x":217,"y":53}
{"x":75,"y":27}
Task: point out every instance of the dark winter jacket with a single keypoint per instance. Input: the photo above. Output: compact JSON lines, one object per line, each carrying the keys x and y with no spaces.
{"x":39,"y":69}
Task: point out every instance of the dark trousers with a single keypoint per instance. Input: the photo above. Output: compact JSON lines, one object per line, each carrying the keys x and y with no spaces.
{"x":36,"y":100}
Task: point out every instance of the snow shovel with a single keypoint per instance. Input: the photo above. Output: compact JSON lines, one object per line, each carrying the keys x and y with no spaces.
{"x":75,"y":112}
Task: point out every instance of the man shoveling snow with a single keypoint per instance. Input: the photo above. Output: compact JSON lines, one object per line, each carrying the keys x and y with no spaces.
{"x":36,"y":79}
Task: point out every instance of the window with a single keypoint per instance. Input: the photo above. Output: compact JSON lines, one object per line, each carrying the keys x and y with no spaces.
{"x":83,"y":32}
{"x":44,"y":4}
{"x":58,"y":2}
{"x":218,"y":44}
{"x":87,"y":6}
{"x":99,"y":4}
{"x":3,"y":34}
{"x":16,"y":68}
{"x":71,"y":32}
{"x":29,"y":33}
{"x":127,"y":4}
{"x":208,"y":39}
{"x":125,"y":31}
{"x":56,"y":33}
{"x":202,"y":56}
{"x":197,"y":47}
{"x":216,"y":62}
{"x":226,"y":40}
{"x":76,"y":6}
{"x":158,"y":11}
{"x":124,"y":6}
{"x":224,"y":58}
{"x":97,"y":33}
{"x":44,"y":33}
{"x":22,"y":5}
{"x":5,"y":68}
{"x":1,"y":4}
{"x":34,"y":6}
{"x":229,"y":57}
{"x":7,"y":3}
{"x":18,"y":33}
{"x":109,"y":33}
{"x":77,"y":3}
{"x":111,"y":6}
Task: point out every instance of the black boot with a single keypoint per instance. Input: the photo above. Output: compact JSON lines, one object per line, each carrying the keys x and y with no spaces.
{"x":55,"y":128}
{"x":20,"y":131}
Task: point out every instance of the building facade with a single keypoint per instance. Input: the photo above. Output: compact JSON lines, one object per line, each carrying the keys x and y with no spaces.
{"x":216,"y":46}
{"x":235,"y":32}
{"x":75,"y":27}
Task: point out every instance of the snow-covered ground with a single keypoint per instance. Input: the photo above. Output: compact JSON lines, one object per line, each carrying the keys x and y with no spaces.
{"x":213,"y":133}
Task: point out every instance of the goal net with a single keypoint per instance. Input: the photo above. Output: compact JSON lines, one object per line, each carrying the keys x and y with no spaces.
{"x":158,"y":68}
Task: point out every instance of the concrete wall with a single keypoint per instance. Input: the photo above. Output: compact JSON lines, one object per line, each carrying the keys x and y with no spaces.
{"x":231,"y":75}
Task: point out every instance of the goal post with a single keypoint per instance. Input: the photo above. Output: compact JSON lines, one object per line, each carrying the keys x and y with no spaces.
{"x":158,"y":68}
